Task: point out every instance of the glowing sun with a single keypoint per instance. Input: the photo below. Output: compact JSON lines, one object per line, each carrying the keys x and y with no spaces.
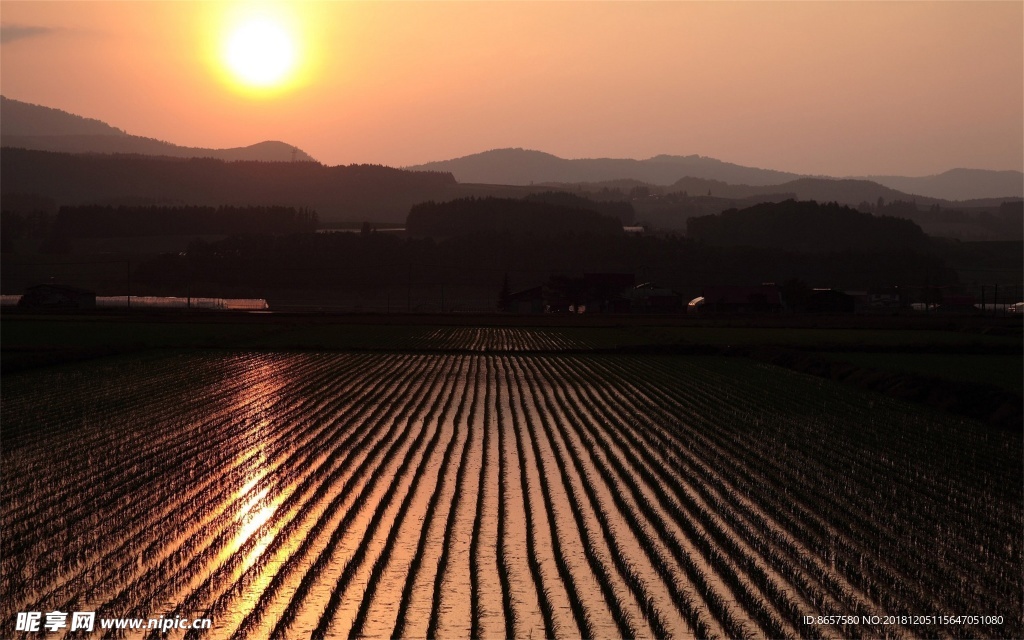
{"x":260,"y":53}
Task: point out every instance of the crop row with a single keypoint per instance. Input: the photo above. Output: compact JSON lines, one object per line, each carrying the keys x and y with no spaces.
{"x":359,"y":495}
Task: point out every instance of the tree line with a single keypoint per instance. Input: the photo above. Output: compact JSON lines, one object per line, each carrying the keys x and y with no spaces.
{"x":95,"y":221}
{"x":376,"y":260}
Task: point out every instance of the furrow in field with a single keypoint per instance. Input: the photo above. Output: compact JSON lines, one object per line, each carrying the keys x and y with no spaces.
{"x":519,"y":593}
{"x":312,"y":563}
{"x":376,"y":616}
{"x":416,"y":583}
{"x":634,"y":579}
{"x":731,"y":449}
{"x":569,"y":618}
{"x":520,"y":502}
{"x":697,"y":442}
{"x":672,"y":558}
{"x":318,"y":512}
{"x":349,"y":461}
{"x":357,"y":551}
{"x":145,"y":524}
{"x":486,"y":586}
{"x":739,"y":565}
{"x":915,"y":451}
{"x":202,"y":552}
{"x":98,"y":387}
{"x":453,"y":615}
{"x":93,"y":433}
{"x":597,"y":603}
{"x":390,"y":608}
{"x":415,"y":602}
{"x":241,"y":574}
{"x":738,"y":515}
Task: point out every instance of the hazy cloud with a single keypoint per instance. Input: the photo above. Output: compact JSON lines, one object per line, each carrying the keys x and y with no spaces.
{"x":12,"y":32}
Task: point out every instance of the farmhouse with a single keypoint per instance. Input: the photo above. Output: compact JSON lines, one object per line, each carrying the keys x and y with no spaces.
{"x":830,"y":301}
{"x":527,"y":301}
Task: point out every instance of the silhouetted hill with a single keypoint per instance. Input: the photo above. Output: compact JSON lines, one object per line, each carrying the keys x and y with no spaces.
{"x":24,"y":119}
{"x":668,"y":208}
{"x":807,"y":227}
{"x":842,"y":190}
{"x":356,"y":192}
{"x":960,"y":184}
{"x":522,"y":167}
{"x":846,"y":191}
{"x":29,"y":126}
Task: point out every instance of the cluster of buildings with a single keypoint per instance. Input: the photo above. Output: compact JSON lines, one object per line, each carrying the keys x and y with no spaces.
{"x":620,"y":293}
{"x":594,"y":293}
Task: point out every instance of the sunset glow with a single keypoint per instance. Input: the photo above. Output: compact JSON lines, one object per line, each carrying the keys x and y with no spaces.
{"x":830,"y":88}
{"x":260,"y":53}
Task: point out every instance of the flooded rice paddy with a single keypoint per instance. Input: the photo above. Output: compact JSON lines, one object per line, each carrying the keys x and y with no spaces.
{"x":498,"y":495}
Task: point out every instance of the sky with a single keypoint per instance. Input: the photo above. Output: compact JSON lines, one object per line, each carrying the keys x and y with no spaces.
{"x":824,"y":88}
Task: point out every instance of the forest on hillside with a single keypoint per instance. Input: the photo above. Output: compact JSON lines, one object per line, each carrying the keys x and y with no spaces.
{"x":806,"y":227}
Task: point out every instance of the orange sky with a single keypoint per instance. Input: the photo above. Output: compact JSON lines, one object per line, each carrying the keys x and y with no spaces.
{"x":837,"y":88}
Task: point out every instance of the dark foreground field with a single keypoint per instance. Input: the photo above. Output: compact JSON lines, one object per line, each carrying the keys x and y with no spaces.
{"x":490,"y":481}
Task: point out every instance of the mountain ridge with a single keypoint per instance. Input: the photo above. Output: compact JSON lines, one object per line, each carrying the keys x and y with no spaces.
{"x":957,"y":184}
{"x":523,"y":166}
{"x":35,"y":127}
{"x":518,"y":166}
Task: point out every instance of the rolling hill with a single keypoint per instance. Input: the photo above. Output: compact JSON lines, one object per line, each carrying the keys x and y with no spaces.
{"x":524,"y":167}
{"x":960,"y":184}
{"x":29,"y":126}
{"x":355,"y":192}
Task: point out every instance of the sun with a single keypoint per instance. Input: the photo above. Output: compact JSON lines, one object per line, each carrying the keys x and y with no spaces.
{"x":260,"y":53}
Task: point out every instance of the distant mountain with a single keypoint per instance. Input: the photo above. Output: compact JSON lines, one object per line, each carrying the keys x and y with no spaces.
{"x":960,"y":184}
{"x":29,"y":126}
{"x":24,"y":119}
{"x":356,"y":192}
{"x":523,"y":167}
